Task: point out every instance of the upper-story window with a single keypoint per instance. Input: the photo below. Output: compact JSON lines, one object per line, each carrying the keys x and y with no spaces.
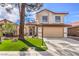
{"x":57,"y":18}
{"x":44,"y":18}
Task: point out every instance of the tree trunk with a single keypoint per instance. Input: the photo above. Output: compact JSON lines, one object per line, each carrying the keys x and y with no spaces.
{"x":21,"y":27}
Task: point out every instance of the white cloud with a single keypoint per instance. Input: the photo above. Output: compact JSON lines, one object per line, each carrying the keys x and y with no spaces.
{"x":5,"y":15}
{"x":14,"y":16}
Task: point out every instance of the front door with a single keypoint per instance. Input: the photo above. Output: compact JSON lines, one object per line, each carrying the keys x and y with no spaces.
{"x":30,"y":31}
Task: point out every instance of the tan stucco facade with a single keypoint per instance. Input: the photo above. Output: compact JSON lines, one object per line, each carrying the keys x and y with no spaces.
{"x":51,"y":31}
{"x":51,"y":17}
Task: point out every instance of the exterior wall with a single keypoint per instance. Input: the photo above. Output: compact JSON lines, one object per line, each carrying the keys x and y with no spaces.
{"x":51,"y":31}
{"x":39,"y":32}
{"x":62,"y":18}
{"x":65,"y":31}
{"x":51,"y":16}
{"x":17,"y":30}
{"x":27,"y":30}
{"x":43,"y":13}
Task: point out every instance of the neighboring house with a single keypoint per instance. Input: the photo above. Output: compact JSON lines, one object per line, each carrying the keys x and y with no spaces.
{"x":74,"y":24}
{"x":74,"y":30}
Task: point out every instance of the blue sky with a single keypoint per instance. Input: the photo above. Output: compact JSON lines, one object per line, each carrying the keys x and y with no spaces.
{"x":71,"y":8}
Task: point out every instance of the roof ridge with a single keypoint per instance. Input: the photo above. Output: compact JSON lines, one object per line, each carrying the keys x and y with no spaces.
{"x":8,"y":20}
{"x":52,"y":12}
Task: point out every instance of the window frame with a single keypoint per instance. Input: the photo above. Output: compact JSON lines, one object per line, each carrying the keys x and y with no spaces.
{"x":44,"y":20}
{"x":58,"y":20}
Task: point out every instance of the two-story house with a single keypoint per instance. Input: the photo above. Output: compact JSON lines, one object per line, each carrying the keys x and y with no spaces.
{"x":52,"y":22}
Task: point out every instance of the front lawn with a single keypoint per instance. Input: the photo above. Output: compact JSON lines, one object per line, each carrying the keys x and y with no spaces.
{"x":37,"y":43}
{"x":9,"y":45}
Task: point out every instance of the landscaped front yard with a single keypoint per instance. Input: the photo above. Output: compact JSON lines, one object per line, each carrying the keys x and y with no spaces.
{"x":10,"y":45}
{"x":37,"y":43}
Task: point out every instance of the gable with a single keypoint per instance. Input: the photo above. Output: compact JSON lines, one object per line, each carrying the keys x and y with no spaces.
{"x":48,"y":11}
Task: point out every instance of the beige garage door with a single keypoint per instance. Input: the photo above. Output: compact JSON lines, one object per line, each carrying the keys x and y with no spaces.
{"x":53,"y":32}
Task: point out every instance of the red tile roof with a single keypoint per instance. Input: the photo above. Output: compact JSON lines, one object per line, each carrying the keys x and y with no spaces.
{"x":75,"y":23}
{"x":8,"y":21}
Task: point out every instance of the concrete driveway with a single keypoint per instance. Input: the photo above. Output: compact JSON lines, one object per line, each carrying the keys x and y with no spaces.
{"x":61,"y":47}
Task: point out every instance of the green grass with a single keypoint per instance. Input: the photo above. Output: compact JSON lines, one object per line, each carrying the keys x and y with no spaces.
{"x":8,"y":45}
{"x":37,"y":43}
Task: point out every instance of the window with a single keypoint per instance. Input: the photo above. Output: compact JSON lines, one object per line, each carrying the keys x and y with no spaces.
{"x":57,"y":19}
{"x":44,"y":18}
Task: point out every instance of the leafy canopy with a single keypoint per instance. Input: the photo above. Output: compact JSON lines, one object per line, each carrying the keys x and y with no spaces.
{"x":9,"y":28}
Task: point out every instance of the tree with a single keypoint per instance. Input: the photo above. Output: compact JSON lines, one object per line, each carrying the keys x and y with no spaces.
{"x":9,"y":28}
{"x":28,"y":7}
{"x":22,"y":15}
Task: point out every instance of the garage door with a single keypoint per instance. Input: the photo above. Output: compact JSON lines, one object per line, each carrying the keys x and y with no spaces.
{"x":53,"y":32}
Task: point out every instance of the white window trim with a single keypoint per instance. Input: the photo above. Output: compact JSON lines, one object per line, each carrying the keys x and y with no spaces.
{"x":42,"y":21}
{"x":60,"y":20}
